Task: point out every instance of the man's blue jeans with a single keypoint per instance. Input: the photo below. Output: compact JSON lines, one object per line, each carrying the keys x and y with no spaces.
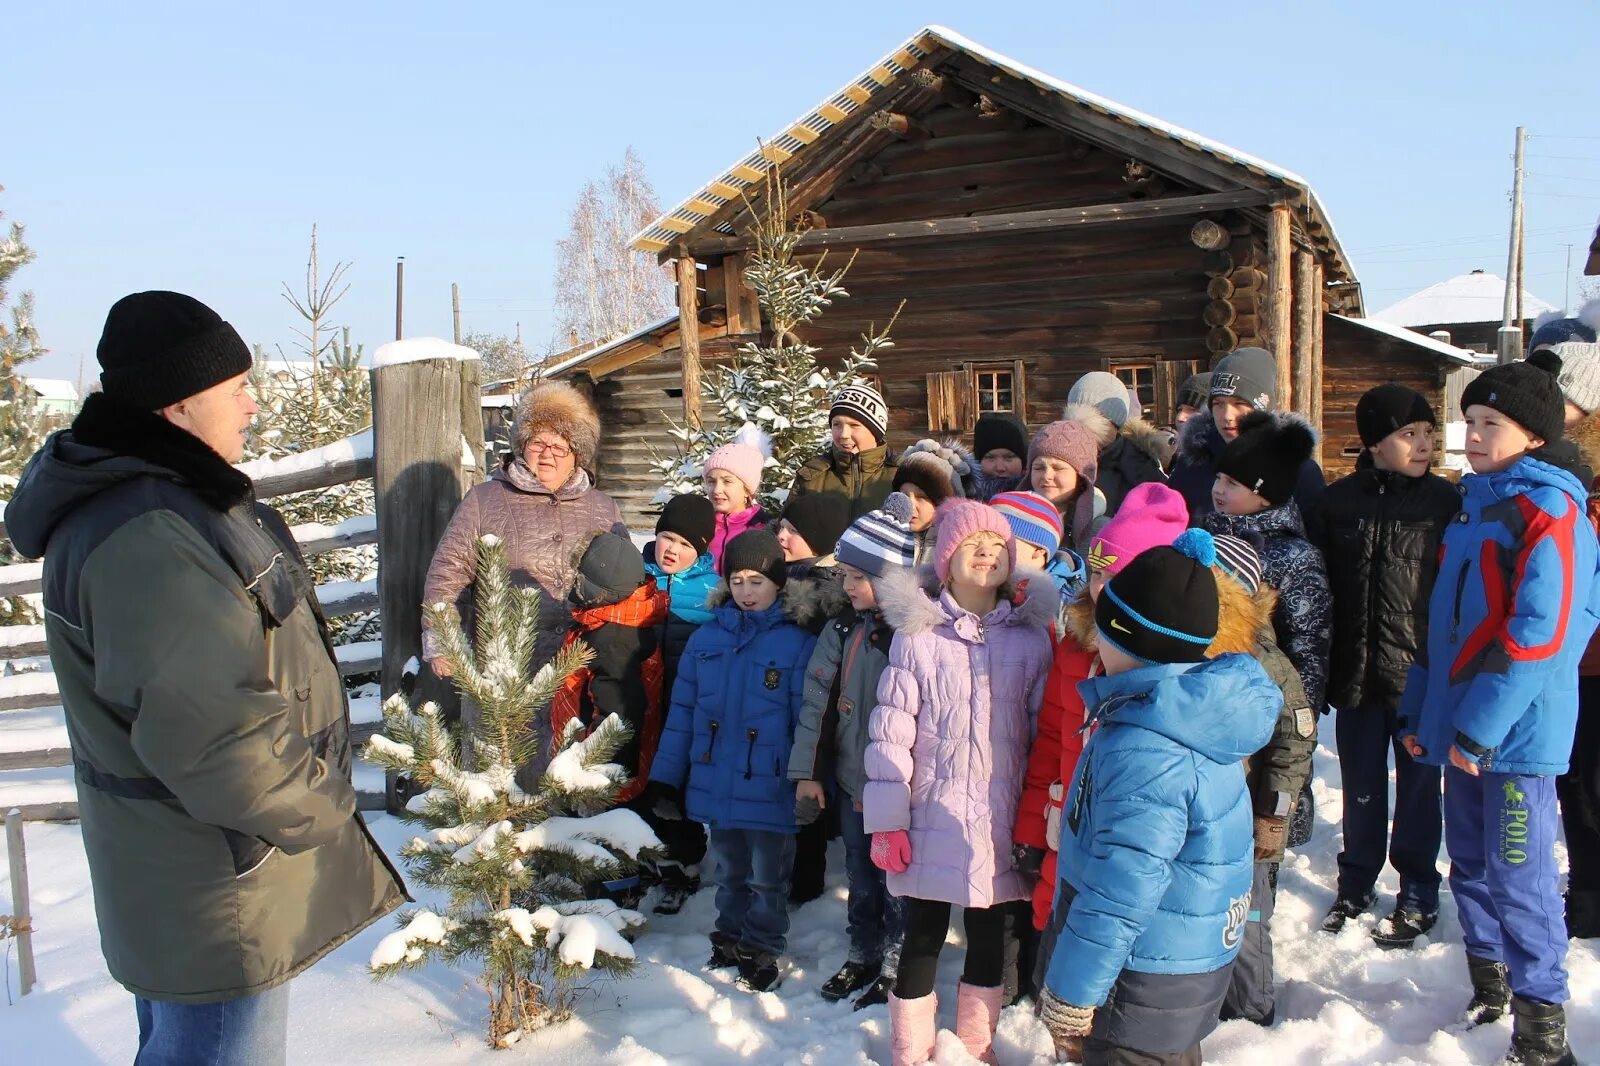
{"x":251,"y":1031}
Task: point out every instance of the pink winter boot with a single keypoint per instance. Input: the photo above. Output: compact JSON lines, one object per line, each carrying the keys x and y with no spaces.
{"x":977,"y":1015}
{"x":911,"y":1029}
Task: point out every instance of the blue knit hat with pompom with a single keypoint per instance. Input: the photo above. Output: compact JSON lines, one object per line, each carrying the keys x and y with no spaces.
{"x":1162,"y":607}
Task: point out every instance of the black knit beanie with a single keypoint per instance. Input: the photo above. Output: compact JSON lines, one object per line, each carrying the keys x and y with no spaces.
{"x":1195,"y":391}
{"x":820,"y":517}
{"x":999,"y":430}
{"x":1268,"y":453}
{"x":158,"y":348}
{"x":758,"y":550}
{"x":1162,"y":607}
{"x":1525,"y":392}
{"x":1387,"y":408}
{"x":691,"y":517}
{"x":610,"y":570}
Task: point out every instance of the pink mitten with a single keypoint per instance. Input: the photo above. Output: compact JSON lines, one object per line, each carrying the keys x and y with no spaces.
{"x":891,"y":851}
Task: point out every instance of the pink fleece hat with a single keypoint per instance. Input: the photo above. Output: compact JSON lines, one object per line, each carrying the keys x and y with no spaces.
{"x":956,"y":520}
{"x":744,"y":457}
{"x":1151,"y":515}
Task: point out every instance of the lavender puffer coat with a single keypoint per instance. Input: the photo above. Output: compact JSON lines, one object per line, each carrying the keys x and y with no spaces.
{"x":949,"y":739}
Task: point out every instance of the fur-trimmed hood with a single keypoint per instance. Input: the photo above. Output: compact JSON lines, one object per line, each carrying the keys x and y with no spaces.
{"x":1154,"y":442}
{"x":1079,"y":621}
{"x":1242,"y":619}
{"x":1199,"y":439}
{"x":808,"y":602}
{"x":913,"y":601}
{"x":1585,"y":435}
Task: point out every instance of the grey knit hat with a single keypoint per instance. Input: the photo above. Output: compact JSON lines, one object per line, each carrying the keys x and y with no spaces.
{"x":1580,"y":374}
{"x":1249,"y":375}
{"x":1103,"y":391}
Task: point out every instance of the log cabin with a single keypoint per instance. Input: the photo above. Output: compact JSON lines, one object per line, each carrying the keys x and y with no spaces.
{"x":1036,"y":231}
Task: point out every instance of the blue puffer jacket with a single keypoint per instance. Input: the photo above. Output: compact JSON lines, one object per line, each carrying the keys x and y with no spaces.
{"x":1512,"y":610}
{"x":1156,"y":835}
{"x":688,"y":608}
{"x":739,"y":689}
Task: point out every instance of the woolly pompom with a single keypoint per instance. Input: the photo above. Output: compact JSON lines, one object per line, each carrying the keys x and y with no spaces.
{"x":1546,"y":360}
{"x":1198,"y":545}
{"x":1293,"y":439}
{"x":897,"y":505}
{"x":753,"y":436}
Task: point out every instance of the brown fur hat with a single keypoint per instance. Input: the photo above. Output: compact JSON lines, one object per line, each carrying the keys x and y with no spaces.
{"x":556,"y":407}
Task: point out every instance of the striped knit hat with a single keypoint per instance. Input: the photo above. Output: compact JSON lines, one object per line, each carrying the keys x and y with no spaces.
{"x":880,"y":539}
{"x":1241,"y":561}
{"x":1034,"y":519}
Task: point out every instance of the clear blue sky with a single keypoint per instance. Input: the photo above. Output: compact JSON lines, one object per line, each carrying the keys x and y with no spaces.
{"x":191,"y":145}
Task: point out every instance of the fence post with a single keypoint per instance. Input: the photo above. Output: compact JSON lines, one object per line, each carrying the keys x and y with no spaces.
{"x":18,"y":858}
{"x":417,"y":483}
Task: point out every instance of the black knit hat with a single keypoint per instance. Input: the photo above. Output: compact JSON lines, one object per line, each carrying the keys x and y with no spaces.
{"x":158,"y":348}
{"x":1387,"y":408}
{"x":999,"y":430}
{"x":691,"y":517}
{"x":758,"y":550}
{"x":820,"y":517}
{"x":1162,"y":607}
{"x":1195,"y":391}
{"x":610,"y":569}
{"x":1525,"y":392}
{"x":1267,"y":454}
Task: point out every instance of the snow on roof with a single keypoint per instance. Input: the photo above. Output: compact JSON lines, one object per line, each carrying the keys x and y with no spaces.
{"x":1463,"y":356}
{"x":1474,"y":297}
{"x":751,"y":169}
{"x":53,"y":388}
{"x":416,"y":349}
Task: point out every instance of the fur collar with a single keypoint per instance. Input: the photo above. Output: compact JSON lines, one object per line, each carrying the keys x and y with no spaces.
{"x":1079,"y":619}
{"x":808,"y":602}
{"x":910,"y":600}
{"x":117,"y":427}
{"x":1242,"y":619}
{"x":1148,"y":439}
{"x":1199,"y":440}
{"x":1586,"y":435}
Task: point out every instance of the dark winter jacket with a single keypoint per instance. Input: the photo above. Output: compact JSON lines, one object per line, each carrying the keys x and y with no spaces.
{"x":841,"y":689}
{"x":865,"y":479}
{"x":688,"y":610}
{"x":1132,"y":459}
{"x":210,"y":735}
{"x":1303,"y":620}
{"x":1194,"y":470}
{"x":731,"y":724}
{"x":1379,"y":533}
{"x":1156,"y":836}
{"x":1514,"y":606}
{"x":822,"y":571}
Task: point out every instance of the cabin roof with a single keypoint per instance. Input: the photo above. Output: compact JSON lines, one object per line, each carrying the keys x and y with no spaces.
{"x":1475,"y":297}
{"x":1095,"y":119}
{"x":1436,"y":348}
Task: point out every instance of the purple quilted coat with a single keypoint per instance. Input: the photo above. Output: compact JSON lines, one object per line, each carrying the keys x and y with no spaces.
{"x":949,"y":738}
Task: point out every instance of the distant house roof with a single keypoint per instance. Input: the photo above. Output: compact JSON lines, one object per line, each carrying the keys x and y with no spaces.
{"x":601,"y":358}
{"x":54,"y":389}
{"x":1475,"y":297}
{"x":1437,"y":348}
{"x":703,"y":212}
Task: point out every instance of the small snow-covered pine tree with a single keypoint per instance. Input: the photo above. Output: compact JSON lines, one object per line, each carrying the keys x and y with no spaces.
{"x":778,"y":387}
{"x":511,"y":865}
{"x":22,"y":430}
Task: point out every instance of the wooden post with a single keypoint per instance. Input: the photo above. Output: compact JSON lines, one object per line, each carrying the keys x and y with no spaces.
{"x":689,"y":336}
{"x":1279,"y":303}
{"x":455,"y":311}
{"x":399,"y":297}
{"x":1307,"y":304}
{"x":472,"y":423}
{"x":1317,"y":318}
{"x":17,"y":855}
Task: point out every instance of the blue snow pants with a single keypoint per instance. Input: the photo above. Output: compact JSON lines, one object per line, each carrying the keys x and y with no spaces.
{"x":1500,"y":830}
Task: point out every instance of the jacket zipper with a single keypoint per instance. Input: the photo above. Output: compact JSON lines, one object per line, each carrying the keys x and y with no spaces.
{"x":1461,"y":588}
{"x":711,"y":744}
{"x":750,"y":753}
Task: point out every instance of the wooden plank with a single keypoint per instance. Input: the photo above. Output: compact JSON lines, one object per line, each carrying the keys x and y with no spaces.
{"x":17,"y":856}
{"x":1317,"y":289}
{"x":744,"y":311}
{"x":66,"y":811}
{"x":1009,"y":222}
{"x":1279,"y":300}
{"x":1307,"y":309}
{"x":339,"y":472}
{"x":38,"y":759}
{"x":689,"y":340}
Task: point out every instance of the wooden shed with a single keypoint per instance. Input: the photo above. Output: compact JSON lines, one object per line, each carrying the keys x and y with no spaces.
{"x":1035,"y":231}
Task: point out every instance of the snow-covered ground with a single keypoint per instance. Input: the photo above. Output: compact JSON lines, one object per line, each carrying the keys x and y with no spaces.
{"x":1340,"y":999}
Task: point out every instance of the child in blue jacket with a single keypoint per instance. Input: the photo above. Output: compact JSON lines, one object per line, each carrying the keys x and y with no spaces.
{"x":680,"y":561}
{"x":729,"y":731}
{"x":1157,"y":832}
{"x":1495,"y":698}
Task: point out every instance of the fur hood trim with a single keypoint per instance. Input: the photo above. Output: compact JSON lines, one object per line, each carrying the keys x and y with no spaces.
{"x":1101,"y":428}
{"x":1156,"y":443}
{"x":1586,"y":436}
{"x":1079,"y":620}
{"x":807,"y":601}
{"x":557,"y":407}
{"x":1243,"y":619}
{"x":909,"y":599}
{"x":1199,"y":440}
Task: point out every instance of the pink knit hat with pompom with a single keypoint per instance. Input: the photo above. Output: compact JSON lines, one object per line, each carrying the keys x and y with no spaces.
{"x":956,"y":520}
{"x":744,"y":457}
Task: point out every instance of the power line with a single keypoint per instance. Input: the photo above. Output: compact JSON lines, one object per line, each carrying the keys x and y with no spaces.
{"x":1447,"y":241}
{"x":1546,"y":155}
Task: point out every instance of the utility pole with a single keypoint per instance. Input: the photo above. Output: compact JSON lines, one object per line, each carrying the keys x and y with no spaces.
{"x":399,"y":296}
{"x":1510,"y":339}
{"x":1566,"y":283}
{"x":455,"y":309}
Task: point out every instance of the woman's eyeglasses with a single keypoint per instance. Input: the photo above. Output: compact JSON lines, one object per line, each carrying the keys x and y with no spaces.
{"x":554,"y":451}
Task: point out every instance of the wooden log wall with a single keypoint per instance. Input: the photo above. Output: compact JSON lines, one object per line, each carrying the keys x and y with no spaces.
{"x":1354,"y":362}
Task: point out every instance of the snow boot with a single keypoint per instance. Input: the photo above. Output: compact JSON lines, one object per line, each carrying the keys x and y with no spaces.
{"x":678,"y":883}
{"x":1538,"y":1034}
{"x":1344,"y":908}
{"x":911,"y":1029}
{"x":977,"y":1016}
{"x":852,"y":977}
{"x":877,"y":992}
{"x":760,"y":971}
{"x":1401,"y":929}
{"x":724,"y":952}
{"x":1491,"y":992}
{"x":1583,"y":914}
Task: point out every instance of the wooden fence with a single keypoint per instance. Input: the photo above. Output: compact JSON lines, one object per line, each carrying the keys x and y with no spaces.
{"x":425,"y":411}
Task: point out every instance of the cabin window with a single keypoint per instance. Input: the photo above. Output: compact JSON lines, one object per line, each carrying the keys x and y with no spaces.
{"x":676,"y":394}
{"x":994,"y":389}
{"x":958,"y":396}
{"x":1141,"y":379}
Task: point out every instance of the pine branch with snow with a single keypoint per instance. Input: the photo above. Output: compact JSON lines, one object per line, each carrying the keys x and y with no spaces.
{"x":516,"y":868}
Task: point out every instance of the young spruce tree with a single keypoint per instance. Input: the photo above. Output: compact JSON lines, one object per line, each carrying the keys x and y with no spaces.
{"x":514,"y":867}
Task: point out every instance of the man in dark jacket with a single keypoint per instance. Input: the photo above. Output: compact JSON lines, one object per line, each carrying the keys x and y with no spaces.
{"x":209,"y":729}
{"x":1379,"y":530}
{"x":1244,"y":381}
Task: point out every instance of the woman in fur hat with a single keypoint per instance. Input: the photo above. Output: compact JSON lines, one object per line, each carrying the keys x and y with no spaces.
{"x":541,"y":503}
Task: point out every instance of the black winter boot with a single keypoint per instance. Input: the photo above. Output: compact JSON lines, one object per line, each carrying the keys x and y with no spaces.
{"x":1491,"y":993}
{"x":1538,"y":1034}
{"x":1345,"y":908}
{"x":724,"y":952}
{"x":852,"y":977}
{"x":678,"y":883}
